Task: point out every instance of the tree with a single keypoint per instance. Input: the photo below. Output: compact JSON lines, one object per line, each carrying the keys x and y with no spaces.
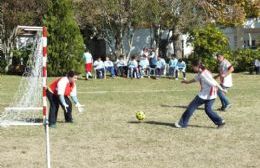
{"x":65,"y":42}
{"x":13,"y":13}
{"x":111,"y":20}
{"x":207,"y":41}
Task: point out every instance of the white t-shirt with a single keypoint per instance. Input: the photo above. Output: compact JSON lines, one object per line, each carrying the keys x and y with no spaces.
{"x":108,"y":63}
{"x":132,"y":64}
{"x":224,"y":66}
{"x":87,"y":58}
{"x":208,"y":85}
{"x":61,"y":86}
{"x":121,"y":63}
{"x":144,"y":63}
{"x":257,"y":63}
{"x":99,"y":64}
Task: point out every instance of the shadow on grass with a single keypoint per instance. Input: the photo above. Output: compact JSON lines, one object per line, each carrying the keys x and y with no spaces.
{"x":179,"y":106}
{"x":167,"y":124}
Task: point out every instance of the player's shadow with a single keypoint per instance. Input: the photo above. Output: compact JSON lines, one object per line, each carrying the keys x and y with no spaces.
{"x":168,"y":124}
{"x":152,"y":122}
{"x":178,"y":106}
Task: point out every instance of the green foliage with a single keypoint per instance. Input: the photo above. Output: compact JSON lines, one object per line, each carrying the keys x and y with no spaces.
{"x":3,"y":64}
{"x":243,"y":59}
{"x":207,"y":41}
{"x":65,"y":43}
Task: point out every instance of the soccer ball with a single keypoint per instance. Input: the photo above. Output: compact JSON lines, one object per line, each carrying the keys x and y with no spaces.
{"x":140,"y":115}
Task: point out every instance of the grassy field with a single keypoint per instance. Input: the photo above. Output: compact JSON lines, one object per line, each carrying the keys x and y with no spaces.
{"x":108,"y":136}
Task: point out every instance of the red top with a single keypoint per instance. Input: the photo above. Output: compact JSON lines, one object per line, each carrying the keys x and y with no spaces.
{"x":68,"y":86}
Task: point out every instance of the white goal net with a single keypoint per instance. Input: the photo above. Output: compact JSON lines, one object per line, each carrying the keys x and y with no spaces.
{"x":26,"y":106}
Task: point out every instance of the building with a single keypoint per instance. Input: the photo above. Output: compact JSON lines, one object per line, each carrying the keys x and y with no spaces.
{"x":246,"y":36}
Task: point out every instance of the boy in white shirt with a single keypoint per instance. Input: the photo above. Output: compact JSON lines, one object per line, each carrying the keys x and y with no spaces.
{"x":100,"y":68}
{"x":109,"y":65}
{"x":225,"y":70}
{"x":88,"y":63}
{"x":121,"y":66}
{"x":172,"y":66}
{"x":181,"y":67}
{"x":133,"y":68}
{"x":144,"y":66}
{"x":160,"y":66}
{"x":207,"y":96}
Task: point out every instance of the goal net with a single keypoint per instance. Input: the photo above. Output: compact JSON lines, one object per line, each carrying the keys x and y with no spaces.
{"x":26,"y":106}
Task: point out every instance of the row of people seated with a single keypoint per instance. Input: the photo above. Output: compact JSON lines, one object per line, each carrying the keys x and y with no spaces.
{"x":146,"y":66}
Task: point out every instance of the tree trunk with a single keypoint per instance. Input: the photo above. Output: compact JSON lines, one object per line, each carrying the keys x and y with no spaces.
{"x":119,"y":48}
{"x":177,"y":43}
{"x":130,"y":40}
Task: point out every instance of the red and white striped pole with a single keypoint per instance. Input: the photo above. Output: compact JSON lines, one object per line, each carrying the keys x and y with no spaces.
{"x":44,"y":95}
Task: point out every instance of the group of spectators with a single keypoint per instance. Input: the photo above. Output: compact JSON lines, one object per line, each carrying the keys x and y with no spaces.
{"x":148,"y":63}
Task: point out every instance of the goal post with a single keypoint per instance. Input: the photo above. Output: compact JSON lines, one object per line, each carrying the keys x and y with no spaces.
{"x":29,"y":99}
{"x":29,"y":105}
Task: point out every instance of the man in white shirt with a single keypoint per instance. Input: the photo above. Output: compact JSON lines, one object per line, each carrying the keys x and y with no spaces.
{"x":99,"y":67}
{"x":88,"y":63}
{"x":207,"y":96}
{"x":109,"y":65}
{"x":225,"y":75}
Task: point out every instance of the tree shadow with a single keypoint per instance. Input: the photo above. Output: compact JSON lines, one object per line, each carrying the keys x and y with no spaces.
{"x":167,"y":124}
{"x":178,"y":106}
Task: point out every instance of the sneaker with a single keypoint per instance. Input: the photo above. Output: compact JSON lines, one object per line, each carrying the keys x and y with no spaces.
{"x":227,"y":107}
{"x":176,"y":79}
{"x":222,"y":124}
{"x":185,"y":79}
{"x":177,"y":125}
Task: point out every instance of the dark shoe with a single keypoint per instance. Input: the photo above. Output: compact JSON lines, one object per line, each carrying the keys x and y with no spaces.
{"x":221,"y":109}
{"x":69,"y":121}
{"x":221,"y":125}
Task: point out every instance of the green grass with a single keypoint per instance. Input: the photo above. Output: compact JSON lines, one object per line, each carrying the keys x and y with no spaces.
{"x":108,"y":136}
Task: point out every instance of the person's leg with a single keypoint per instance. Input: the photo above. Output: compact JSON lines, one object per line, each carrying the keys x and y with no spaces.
{"x":224,"y":100}
{"x":196,"y":102}
{"x":54,"y":107}
{"x":258,"y":70}
{"x":184,"y":75}
{"x":161,"y":72}
{"x":176,"y":74}
{"x":86,"y":70}
{"x":112,"y":71}
{"x":89,"y":70}
{"x":171,"y":72}
{"x":138,"y":73}
{"x":211,"y":114}
{"x":120,"y":71}
{"x":97,"y":74}
{"x":157,"y":71}
{"x":68,"y":111}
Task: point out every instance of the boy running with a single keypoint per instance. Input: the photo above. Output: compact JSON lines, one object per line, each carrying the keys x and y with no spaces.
{"x":207,"y":96}
{"x":225,"y":70}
